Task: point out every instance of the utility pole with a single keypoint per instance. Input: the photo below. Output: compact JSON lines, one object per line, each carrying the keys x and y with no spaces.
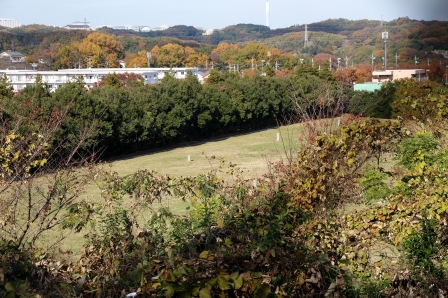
{"x":373,"y":58}
{"x":396,"y":60}
{"x":346,"y":62}
{"x":277,"y":65}
{"x":385,"y":36}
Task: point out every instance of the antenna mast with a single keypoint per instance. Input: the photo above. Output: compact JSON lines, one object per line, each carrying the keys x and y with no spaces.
{"x":306,"y":35}
{"x":267,"y":14}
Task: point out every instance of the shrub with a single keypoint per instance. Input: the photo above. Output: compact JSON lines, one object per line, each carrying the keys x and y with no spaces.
{"x":421,"y":248}
{"x":375,"y":104}
{"x":373,"y":185}
{"x":418,"y":148}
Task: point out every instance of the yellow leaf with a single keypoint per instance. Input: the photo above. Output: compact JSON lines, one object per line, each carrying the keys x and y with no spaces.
{"x":301,"y":279}
{"x":204,"y":255}
{"x":228,"y":241}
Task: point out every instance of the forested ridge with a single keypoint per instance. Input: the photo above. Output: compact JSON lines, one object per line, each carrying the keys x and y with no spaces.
{"x":410,"y":42}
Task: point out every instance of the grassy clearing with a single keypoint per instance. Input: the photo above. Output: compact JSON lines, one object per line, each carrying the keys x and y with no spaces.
{"x":250,"y":152}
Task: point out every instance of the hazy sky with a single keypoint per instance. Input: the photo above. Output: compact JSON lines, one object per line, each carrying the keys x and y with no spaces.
{"x":214,"y":13}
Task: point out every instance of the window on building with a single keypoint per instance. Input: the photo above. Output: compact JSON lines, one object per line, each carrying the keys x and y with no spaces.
{"x":182,"y":73}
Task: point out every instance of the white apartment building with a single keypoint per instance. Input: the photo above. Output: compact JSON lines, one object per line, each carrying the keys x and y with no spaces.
{"x":127,"y":27}
{"x":19,"y":79}
{"x":179,"y":73}
{"x":10,"y":23}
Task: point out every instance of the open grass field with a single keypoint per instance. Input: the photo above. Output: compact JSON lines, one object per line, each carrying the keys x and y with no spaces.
{"x":251,"y":152}
{"x":248,"y":151}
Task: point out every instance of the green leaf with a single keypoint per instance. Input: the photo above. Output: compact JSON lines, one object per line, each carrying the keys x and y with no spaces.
{"x":204,"y":255}
{"x":182,"y":270}
{"x":238,"y":283}
{"x":169,"y":291}
{"x":223,"y":284}
{"x":262,"y":291}
{"x":9,"y":287}
{"x":213,"y":281}
{"x":21,"y":289}
{"x":205,"y":293}
{"x":195,"y":291}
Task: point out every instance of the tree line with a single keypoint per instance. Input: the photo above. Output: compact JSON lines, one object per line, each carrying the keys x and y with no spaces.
{"x":131,"y":116}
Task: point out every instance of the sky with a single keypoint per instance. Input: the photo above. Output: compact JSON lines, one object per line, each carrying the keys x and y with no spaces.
{"x":215,"y":14}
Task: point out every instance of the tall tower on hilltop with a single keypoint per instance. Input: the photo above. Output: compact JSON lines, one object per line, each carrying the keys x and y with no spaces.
{"x":306,"y":35}
{"x":267,"y":14}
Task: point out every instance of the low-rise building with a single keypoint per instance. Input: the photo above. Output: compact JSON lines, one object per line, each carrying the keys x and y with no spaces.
{"x":368,"y":86}
{"x":13,"y":56}
{"x":208,"y":32}
{"x":203,"y":75}
{"x":78,"y":26}
{"x":397,"y":74}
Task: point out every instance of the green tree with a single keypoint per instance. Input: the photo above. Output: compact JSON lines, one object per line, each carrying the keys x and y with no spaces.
{"x":214,"y":77}
{"x":113,"y":80}
{"x":6,"y":89}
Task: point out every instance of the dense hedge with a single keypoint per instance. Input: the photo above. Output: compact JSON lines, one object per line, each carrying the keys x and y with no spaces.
{"x":148,"y":116}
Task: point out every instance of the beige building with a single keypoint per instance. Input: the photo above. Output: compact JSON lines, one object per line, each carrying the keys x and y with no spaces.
{"x":380,"y":76}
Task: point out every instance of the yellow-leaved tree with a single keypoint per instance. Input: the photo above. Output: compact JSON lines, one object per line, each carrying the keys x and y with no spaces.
{"x":100,"y":50}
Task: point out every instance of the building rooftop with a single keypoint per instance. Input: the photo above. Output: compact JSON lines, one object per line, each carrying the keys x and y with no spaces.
{"x":11,"y":54}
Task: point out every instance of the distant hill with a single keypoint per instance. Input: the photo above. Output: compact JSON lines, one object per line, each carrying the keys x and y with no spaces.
{"x":358,"y":40}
